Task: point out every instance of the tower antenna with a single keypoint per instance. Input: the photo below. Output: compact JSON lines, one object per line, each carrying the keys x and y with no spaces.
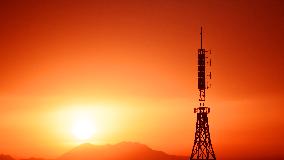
{"x":202,"y":147}
{"x":201,"y":38}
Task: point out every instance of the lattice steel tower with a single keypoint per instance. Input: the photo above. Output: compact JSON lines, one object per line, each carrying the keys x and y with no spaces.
{"x":202,"y":147}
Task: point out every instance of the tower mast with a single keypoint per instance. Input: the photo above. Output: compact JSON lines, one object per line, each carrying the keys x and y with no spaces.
{"x":201,"y":38}
{"x":202,"y":147}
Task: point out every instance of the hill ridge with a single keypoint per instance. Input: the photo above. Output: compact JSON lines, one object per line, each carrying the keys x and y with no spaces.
{"x":125,"y":150}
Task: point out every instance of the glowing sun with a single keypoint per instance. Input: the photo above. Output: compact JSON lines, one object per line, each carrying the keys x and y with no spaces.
{"x":83,"y":128}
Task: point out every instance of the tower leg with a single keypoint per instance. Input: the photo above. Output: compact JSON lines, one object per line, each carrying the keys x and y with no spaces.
{"x":202,"y":148}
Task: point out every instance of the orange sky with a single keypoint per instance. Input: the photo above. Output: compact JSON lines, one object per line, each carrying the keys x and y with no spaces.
{"x":132,"y":66}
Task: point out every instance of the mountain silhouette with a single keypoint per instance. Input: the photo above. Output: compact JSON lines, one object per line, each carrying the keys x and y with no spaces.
{"x":6,"y":157}
{"x":33,"y":159}
{"x":120,"y":151}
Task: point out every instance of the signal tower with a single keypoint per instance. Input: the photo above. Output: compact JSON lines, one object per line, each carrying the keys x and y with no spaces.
{"x":202,"y":147}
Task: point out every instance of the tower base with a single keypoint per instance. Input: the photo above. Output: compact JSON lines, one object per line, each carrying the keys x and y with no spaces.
{"x":202,"y":148}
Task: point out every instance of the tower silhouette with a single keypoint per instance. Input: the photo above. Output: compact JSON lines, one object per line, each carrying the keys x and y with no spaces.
{"x":202,"y":147}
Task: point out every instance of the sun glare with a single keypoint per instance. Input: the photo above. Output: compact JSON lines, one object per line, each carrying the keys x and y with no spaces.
{"x":80,"y":123}
{"x":83,"y":128}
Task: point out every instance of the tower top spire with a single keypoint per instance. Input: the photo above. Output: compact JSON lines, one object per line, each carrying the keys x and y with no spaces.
{"x":201,"y":37}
